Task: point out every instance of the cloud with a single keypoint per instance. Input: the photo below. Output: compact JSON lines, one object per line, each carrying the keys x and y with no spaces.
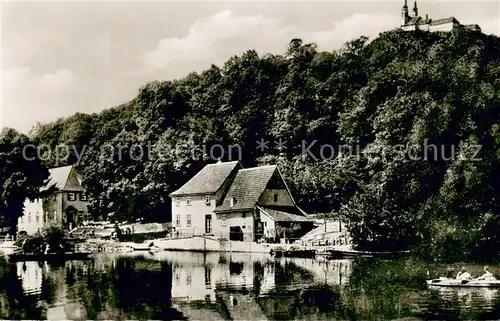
{"x":60,"y":67}
{"x":216,"y":38}
{"x":351,"y":28}
{"x":29,"y":97}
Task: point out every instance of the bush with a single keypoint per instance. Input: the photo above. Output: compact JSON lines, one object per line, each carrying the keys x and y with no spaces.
{"x":51,"y":236}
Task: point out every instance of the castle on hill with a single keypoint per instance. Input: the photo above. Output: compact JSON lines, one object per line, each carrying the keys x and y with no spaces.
{"x":415,"y":22}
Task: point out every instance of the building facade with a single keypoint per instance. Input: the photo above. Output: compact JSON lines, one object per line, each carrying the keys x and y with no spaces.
{"x":65,"y":207}
{"x":415,"y":22}
{"x":232,"y":203}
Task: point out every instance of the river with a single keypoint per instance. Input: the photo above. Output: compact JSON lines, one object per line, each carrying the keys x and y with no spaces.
{"x":223,"y":286}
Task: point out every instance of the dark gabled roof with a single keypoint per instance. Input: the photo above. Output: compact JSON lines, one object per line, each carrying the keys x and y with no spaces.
{"x":208,"y":180}
{"x":247,"y":187}
{"x":442,"y":21}
{"x":472,"y":27}
{"x":414,"y":20}
{"x":285,"y":214}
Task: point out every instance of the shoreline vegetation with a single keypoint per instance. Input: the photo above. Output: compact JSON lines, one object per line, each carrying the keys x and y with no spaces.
{"x":433,"y":92}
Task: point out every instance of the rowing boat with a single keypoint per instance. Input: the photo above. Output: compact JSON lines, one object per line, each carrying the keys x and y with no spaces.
{"x":464,"y":283}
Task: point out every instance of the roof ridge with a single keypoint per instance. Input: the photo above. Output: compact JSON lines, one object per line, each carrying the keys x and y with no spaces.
{"x":257,"y":167}
{"x":61,"y":167}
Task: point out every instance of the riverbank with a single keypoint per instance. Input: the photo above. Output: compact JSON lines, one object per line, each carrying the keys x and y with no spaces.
{"x":211,"y":244}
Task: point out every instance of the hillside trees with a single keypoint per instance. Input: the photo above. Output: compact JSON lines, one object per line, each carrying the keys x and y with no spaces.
{"x":394,"y":128}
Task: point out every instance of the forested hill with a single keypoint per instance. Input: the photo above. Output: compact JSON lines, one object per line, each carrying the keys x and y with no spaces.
{"x":416,"y":89}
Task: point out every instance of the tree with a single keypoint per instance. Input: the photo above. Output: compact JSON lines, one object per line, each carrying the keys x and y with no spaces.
{"x":21,"y":173}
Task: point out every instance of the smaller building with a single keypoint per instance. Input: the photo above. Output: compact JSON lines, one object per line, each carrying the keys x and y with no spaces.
{"x":415,"y":22}
{"x":65,"y":207}
{"x":232,"y":203}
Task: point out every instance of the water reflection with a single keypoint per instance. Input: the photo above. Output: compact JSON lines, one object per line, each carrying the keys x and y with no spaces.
{"x":215,"y":286}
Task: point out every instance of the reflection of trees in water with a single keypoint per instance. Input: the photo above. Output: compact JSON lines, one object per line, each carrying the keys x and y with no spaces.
{"x":317,"y":301}
{"x":13,"y":303}
{"x":137,"y":292}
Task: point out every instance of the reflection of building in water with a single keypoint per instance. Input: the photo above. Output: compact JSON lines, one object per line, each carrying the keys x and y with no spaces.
{"x":31,"y":275}
{"x":193,"y":282}
{"x":469,"y":296}
{"x":197,"y":279}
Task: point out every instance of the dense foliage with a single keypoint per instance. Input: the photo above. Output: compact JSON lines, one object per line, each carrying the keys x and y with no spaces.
{"x":51,"y":240}
{"x":22,"y":175}
{"x":408,"y":108}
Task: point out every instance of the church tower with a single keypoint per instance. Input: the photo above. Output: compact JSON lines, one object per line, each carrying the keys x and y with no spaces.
{"x":405,"y":17}
{"x":415,"y":9}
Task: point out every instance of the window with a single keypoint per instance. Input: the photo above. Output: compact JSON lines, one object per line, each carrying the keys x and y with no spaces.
{"x":177,"y":201}
{"x":207,"y":200}
{"x":22,"y":219}
{"x":178,"y":220}
{"x":29,"y":217}
{"x":275,"y":198}
{"x":232,"y":201}
{"x":188,"y":280}
{"x":208,"y":275}
{"x":71,"y":196}
{"x":188,"y":220}
{"x":37,"y":217}
{"x":83,"y":197}
{"x":223,"y":221}
{"x":208,"y":223}
{"x":188,"y":201}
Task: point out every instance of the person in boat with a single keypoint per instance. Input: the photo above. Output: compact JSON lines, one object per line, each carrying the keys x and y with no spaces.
{"x":487,"y":275}
{"x":463,"y":274}
{"x":449,"y":273}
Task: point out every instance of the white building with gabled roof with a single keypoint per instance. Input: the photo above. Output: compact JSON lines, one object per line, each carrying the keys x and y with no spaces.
{"x":229,"y":202}
{"x":65,"y":206}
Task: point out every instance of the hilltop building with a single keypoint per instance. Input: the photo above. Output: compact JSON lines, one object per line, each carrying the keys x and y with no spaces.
{"x":414,"y":21}
{"x":65,"y":207}
{"x":229,"y":202}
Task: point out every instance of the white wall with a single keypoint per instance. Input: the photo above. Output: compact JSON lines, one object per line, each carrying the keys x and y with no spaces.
{"x":32,"y":219}
{"x":198,"y":209}
{"x":236,"y":219}
{"x":442,"y":27}
{"x":269,"y":225}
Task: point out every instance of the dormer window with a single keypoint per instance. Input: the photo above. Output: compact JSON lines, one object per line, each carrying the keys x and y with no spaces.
{"x":208,"y":202}
{"x":83,"y":197}
{"x":275,"y":198}
{"x":232,"y":201}
{"x":71,"y":196}
{"x":188,"y":201}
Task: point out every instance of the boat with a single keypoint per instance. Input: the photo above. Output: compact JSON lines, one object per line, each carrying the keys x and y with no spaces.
{"x":464,"y":283}
{"x":67,"y":256}
{"x":346,"y":253}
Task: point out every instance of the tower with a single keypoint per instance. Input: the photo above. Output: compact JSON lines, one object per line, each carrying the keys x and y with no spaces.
{"x":415,"y":9}
{"x":405,"y":17}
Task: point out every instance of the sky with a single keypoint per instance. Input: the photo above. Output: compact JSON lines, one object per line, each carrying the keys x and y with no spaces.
{"x":61,"y":57}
